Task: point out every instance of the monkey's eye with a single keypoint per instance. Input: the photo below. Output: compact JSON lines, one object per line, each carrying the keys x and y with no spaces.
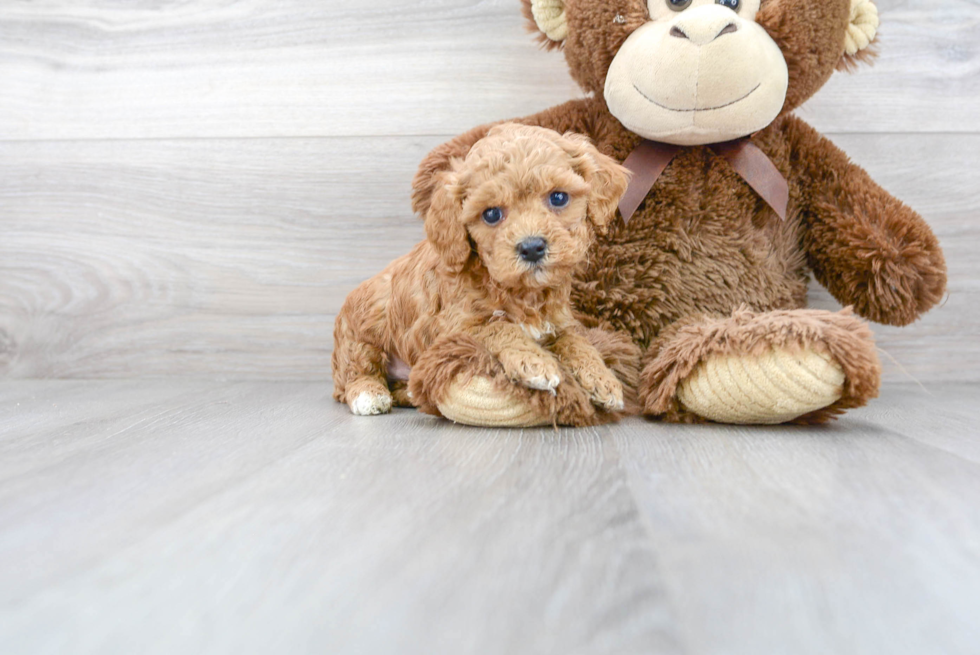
{"x":731,"y":4}
{"x":493,"y":215}
{"x":680,"y":5}
{"x":558,"y":199}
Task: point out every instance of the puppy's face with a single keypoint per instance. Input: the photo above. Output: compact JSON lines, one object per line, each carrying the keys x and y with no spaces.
{"x":526,"y":201}
{"x":526,"y":214}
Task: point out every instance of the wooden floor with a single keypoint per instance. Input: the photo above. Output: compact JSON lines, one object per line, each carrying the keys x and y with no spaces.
{"x":247,"y":517}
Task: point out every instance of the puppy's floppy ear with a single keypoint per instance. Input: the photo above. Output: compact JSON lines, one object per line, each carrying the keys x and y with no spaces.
{"x":444,"y":224}
{"x":606,"y":177}
{"x":436,"y":162}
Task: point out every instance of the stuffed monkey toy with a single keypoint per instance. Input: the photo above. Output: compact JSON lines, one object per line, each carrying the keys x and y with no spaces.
{"x":733,"y":203}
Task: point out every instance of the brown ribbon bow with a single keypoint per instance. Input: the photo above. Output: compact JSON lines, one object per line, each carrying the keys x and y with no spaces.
{"x":650,"y":159}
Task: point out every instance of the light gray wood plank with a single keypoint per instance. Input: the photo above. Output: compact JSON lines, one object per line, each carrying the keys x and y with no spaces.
{"x":229,"y":258}
{"x":31,"y":412}
{"x":82,"y":70}
{"x":851,"y":538}
{"x":268,"y":68}
{"x":188,"y":516}
{"x":943,"y":416}
{"x":927,"y":71}
{"x":258,"y":517}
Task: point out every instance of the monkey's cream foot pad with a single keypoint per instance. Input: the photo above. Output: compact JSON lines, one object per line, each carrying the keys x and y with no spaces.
{"x":775,"y":387}
{"x":478,"y":402}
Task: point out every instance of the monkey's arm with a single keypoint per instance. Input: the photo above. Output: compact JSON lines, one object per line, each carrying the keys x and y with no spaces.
{"x":868,"y":248}
{"x":572,"y":116}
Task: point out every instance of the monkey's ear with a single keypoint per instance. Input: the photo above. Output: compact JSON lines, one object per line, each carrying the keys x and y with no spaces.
{"x":548,"y":18}
{"x":607,"y":179}
{"x":862,"y":31}
{"x":444,"y":222}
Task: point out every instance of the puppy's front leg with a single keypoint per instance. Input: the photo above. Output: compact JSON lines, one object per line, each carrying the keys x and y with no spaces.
{"x":586,"y":364}
{"x":524,"y":361}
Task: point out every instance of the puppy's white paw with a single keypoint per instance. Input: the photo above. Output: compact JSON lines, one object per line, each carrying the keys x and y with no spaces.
{"x":612,"y":404}
{"x":369,"y":404}
{"x":543,"y":382}
{"x":531,"y":371}
{"x":605,"y":391}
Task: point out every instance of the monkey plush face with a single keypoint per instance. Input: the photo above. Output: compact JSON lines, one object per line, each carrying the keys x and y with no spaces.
{"x":699,"y":71}
{"x":693,"y":72}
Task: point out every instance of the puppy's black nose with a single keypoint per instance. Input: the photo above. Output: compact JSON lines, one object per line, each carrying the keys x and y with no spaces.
{"x":532,"y":249}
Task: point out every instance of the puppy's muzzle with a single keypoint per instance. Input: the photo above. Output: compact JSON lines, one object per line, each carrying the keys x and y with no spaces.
{"x":532,"y":249}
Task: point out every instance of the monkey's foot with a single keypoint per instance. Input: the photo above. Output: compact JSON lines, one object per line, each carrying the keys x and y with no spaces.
{"x":775,"y":387}
{"x":458,"y":379}
{"x":802,"y":366}
{"x":477,"y":401}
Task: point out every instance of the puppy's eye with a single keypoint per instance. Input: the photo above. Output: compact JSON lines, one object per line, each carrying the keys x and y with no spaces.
{"x":731,"y":4}
{"x":679,"y":5}
{"x":493,"y":215}
{"x":558,"y":199}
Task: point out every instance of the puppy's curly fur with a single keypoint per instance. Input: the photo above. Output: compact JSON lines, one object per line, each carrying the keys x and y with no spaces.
{"x":469,"y":278}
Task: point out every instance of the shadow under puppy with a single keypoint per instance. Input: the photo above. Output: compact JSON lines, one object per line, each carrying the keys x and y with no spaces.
{"x":507,"y":228}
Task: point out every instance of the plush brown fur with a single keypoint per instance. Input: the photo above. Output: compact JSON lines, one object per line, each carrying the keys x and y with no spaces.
{"x":468,"y":286}
{"x":704,"y":244}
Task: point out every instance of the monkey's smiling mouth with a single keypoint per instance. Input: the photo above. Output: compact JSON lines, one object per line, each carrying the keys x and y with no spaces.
{"x":727,"y":104}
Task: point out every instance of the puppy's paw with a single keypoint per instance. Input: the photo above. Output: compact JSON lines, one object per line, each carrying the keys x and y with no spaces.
{"x":604,"y":389}
{"x":542,"y":382}
{"x":532,"y":371}
{"x":369,"y":404}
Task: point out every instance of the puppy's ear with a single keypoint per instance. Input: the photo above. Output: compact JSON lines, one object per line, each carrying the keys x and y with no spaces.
{"x":436,"y":162}
{"x":443,"y":222}
{"x":606,"y":177}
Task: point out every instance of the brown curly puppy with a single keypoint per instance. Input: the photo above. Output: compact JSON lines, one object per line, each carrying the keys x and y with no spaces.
{"x":507,"y":227}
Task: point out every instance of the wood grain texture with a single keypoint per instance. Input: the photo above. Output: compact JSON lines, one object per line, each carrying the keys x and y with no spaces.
{"x":256,"y":517}
{"x":189,"y":190}
{"x":230,"y":258}
{"x":126,"y":251}
{"x":260,"y":68}
{"x":263,"y":517}
{"x":207,"y":257}
{"x":861,"y":537}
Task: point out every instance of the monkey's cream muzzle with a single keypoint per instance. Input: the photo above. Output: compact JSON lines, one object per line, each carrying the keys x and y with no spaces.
{"x":704,"y":76}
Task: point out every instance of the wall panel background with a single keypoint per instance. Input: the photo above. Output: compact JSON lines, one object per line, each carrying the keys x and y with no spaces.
{"x":191,"y":188}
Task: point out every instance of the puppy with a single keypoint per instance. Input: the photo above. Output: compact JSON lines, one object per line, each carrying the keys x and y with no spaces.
{"x":506,"y":229}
